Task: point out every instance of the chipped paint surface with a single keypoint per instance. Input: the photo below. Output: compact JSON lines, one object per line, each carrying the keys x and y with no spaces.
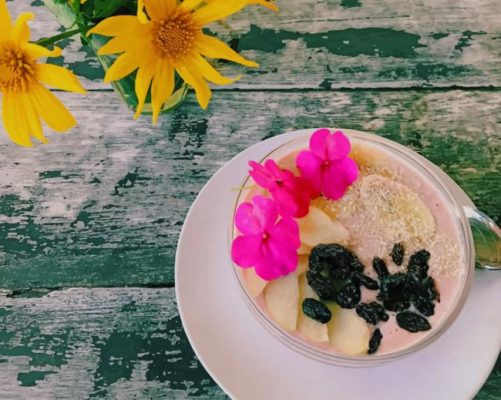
{"x":103,"y":205}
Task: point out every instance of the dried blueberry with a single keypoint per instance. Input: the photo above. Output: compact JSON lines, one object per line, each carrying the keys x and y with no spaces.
{"x":321,"y":286}
{"x":392,"y":286}
{"x":367,"y":282}
{"x":372,"y":312}
{"x":397,"y":253}
{"x":338,"y":260}
{"x":349,"y":295}
{"x":316,"y":310}
{"x":430,"y":290}
{"x":380,"y":267}
{"x":424,"y":305}
{"x":412,"y":322}
{"x":375,"y":341}
{"x":420,"y":257}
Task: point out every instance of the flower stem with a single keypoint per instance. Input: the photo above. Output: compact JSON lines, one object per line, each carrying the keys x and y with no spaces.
{"x":53,"y":39}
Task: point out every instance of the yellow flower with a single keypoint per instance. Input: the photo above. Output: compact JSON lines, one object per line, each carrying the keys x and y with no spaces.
{"x":266,"y":3}
{"x":24,"y":98}
{"x":169,"y":41}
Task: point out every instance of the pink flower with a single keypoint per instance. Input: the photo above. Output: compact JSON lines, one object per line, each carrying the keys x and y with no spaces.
{"x":290,"y":192}
{"x":265,"y":244}
{"x":327,"y":166}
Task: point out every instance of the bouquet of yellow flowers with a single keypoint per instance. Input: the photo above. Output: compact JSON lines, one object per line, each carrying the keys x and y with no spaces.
{"x":153,"y":52}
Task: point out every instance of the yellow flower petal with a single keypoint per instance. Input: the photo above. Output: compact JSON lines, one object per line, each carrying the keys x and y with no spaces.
{"x":59,"y":78}
{"x":188,"y":5}
{"x":123,"y":66}
{"x":5,"y":21}
{"x":196,"y":81}
{"x":13,"y":122}
{"x":266,"y":3}
{"x":21,"y":30}
{"x":52,"y":111}
{"x":213,"y":48}
{"x":35,"y":51}
{"x":141,"y":15}
{"x":162,"y":87}
{"x":209,"y":72}
{"x":130,"y":40}
{"x":218,"y":9}
{"x":32,"y":118}
{"x":159,"y":10}
{"x":143,"y":81}
{"x":114,"y":25}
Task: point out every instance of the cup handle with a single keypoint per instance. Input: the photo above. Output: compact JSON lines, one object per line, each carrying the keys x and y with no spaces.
{"x":486,"y":237}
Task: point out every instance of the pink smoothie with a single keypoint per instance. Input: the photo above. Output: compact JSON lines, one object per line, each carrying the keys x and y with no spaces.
{"x":388,"y":189}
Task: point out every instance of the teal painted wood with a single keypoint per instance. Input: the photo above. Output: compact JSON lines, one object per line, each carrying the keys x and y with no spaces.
{"x":374,"y":44}
{"x":103,"y":205}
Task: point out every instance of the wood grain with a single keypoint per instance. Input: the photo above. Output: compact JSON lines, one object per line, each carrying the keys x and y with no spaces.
{"x":104,"y":204}
{"x":341,"y":44}
{"x":98,"y":343}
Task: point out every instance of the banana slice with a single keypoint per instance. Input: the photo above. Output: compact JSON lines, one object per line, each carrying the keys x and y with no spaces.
{"x":302,"y":266}
{"x":348,"y":333}
{"x":255,"y":284}
{"x":281,"y":296}
{"x":397,"y":208}
{"x":317,"y":228}
{"x":313,"y":330}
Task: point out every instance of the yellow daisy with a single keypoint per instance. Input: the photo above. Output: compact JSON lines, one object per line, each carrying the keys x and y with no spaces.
{"x":170,"y":40}
{"x":24,"y":98}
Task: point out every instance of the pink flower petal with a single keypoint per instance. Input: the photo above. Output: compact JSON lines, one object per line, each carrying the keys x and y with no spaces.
{"x":261,"y":175}
{"x":310,"y":167}
{"x":337,"y":146}
{"x":276,"y":262}
{"x":318,"y":141}
{"x":246,"y":250}
{"x":286,"y":202}
{"x":246,"y":222}
{"x":286,"y":232}
{"x":339,"y":177}
{"x":266,"y":211}
{"x":286,"y":255}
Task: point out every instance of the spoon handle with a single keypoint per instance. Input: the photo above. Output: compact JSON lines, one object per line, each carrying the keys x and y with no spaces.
{"x":487,"y":239}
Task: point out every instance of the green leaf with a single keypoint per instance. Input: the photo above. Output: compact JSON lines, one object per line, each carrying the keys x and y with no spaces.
{"x":105,"y":8}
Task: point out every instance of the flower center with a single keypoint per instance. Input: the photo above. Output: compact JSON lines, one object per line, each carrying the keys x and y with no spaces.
{"x":265,"y":237}
{"x":17,"y":70}
{"x":174,"y":37}
{"x":279,"y":182}
{"x":326,"y":164}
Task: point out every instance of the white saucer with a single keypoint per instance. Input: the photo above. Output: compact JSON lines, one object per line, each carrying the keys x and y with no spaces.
{"x":249,"y":363}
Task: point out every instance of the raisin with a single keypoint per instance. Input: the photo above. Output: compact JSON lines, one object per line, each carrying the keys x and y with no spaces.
{"x":349,"y":295}
{"x":396,"y":304}
{"x":338,"y":260}
{"x":316,"y":310}
{"x":393,"y":286}
{"x":375,"y":341}
{"x":424,"y":306}
{"x":322,"y":287}
{"x":420,"y":257}
{"x":397,"y":253}
{"x":412,"y":322}
{"x":380,"y":267}
{"x":372,"y":312}
{"x":430,"y":289}
{"x":367,"y":282}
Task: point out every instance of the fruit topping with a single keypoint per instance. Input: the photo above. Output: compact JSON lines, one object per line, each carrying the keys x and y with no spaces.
{"x":380,"y":267}
{"x":338,"y":260}
{"x":282,"y":297}
{"x":312,"y":330}
{"x":321,"y":286}
{"x":393,"y":292}
{"x":397,"y":253}
{"x":318,"y":228}
{"x":412,"y":322}
{"x":349,"y":295}
{"x":375,"y":341}
{"x":255,"y":284}
{"x":372,"y":312}
{"x":348,"y":333}
{"x":316,"y":310}
{"x":366,"y":281}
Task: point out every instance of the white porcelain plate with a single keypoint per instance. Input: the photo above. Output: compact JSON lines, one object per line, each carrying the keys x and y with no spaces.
{"x":249,"y":363}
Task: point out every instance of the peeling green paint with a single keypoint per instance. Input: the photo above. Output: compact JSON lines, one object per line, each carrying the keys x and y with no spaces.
{"x":439,"y":35}
{"x":423,"y":71}
{"x":351,"y":3}
{"x":31,"y":378}
{"x":351,"y":42}
{"x":466,"y":38}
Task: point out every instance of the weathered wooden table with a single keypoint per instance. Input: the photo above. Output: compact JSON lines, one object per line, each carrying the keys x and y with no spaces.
{"x":89,"y":223}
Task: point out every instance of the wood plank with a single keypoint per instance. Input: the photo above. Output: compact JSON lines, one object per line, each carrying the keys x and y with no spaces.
{"x":104,"y":204}
{"x":346,"y":44}
{"x":107,"y":343}
{"x":100,"y":343}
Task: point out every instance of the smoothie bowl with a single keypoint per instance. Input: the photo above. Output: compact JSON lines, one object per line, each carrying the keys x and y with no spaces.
{"x":350,"y":249}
